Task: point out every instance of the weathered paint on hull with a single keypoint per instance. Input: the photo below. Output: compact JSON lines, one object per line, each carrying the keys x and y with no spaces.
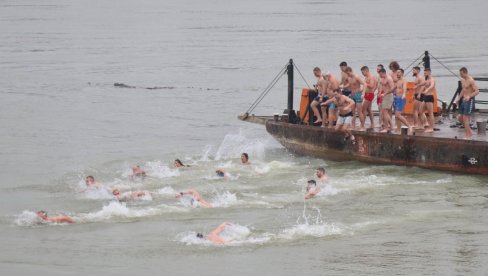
{"x":405,"y":150}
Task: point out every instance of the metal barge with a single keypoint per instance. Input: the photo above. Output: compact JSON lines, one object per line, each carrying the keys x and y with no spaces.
{"x":444,"y":149}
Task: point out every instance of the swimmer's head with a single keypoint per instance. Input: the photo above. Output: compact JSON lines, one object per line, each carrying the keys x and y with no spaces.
{"x":200,"y":235}
{"x":220,"y":173}
{"x":311,"y":184}
{"x":116,"y":192}
{"x":178,"y":163}
{"x":244,"y":158}
{"x":320,"y":172}
{"x":89,"y":180}
{"x":42,"y":214}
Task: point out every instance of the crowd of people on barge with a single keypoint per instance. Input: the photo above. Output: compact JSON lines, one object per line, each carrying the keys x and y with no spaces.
{"x":340,"y":102}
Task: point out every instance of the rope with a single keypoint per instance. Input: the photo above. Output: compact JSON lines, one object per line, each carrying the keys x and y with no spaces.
{"x":413,"y":62}
{"x":454,"y":74}
{"x":411,"y":69}
{"x":267,"y":89}
{"x":296,"y":67}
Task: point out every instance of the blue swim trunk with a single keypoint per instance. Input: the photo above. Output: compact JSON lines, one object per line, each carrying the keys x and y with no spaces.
{"x":358,"y":97}
{"x":466,"y":108}
{"x":332,"y":105}
{"x":346,"y":92}
{"x":399,"y":103}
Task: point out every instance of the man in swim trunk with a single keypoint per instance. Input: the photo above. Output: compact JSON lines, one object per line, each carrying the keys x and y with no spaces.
{"x":387,"y":89}
{"x":344,"y":77}
{"x":466,"y":100}
{"x":429,"y":98}
{"x":355,"y":84}
{"x":321,"y":176}
{"x":400,"y":100}
{"x":345,"y":106}
{"x":379,"y":97}
{"x":369,"y":87}
{"x":419,"y":118}
{"x":321,"y":94}
{"x":331,"y":85}
{"x":196,"y":198}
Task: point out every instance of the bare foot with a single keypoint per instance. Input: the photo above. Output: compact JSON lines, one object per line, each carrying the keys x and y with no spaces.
{"x":384,"y":131}
{"x":429,"y":130}
{"x":362,"y":129}
{"x":318,"y":121}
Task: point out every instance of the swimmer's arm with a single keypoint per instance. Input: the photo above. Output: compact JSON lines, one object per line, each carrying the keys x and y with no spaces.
{"x":350,"y":101}
{"x":431,"y":87}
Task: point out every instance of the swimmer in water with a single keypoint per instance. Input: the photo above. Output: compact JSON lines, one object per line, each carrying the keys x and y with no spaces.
{"x":137,"y":172}
{"x":91,"y":183}
{"x":220,"y":172}
{"x":179,"y":164}
{"x":56,"y":219}
{"x":320,"y":173}
{"x":312,"y":189}
{"x":245,"y":159}
{"x":214,"y":235}
{"x":129,"y":195}
{"x":197,"y":199}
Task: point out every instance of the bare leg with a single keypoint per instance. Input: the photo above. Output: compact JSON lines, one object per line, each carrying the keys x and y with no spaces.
{"x":367,"y":112}
{"x":416,"y":113}
{"x":386,"y":119}
{"x":430,"y":109}
{"x":467,"y":129}
{"x":314,"y":106}
{"x":362,"y":119}
{"x":400,"y":119}
{"x":354,"y":116}
{"x":324,"y":113}
{"x":332,"y":116}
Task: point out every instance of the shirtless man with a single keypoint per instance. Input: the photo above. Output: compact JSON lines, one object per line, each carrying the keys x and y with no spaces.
{"x":245,"y":159}
{"x":320,"y":173}
{"x":312,"y":189}
{"x":321,"y":83}
{"x":331,"y":84}
{"x":56,"y":219}
{"x":465,"y":100}
{"x":355,"y":84}
{"x":387,"y":89}
{"x":379,"y":97}
{"x":419,"y":98}
{"x":345,"y":106}
{"x":369,"y":87}
{"x":429,"y":98}
{"x":129,"y":195}
{"x":197,"y":199}
{"x":344,"y":77}
{"x":400,"y":100}
{"x":214,"y":235}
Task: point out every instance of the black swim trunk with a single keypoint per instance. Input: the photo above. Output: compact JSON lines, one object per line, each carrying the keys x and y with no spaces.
{"x":346,"y":115}
{"x":346,"y":92}
{"x":419,"y":97}
{"x":429,"y":99}
{"x":324,"y":99}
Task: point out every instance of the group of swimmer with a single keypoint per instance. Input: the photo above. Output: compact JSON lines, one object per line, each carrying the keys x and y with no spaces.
{"x":311,"y":190}
{"x":341,"y":102}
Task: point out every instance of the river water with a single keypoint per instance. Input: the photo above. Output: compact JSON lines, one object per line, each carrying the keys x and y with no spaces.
{"x":62,"y":119}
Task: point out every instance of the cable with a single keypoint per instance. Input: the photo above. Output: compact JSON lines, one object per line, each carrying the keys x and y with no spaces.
{"x":413,"y":62}
{"x":296,"y":67}
{"x":454,"y":74}
{"x":267,"y":89}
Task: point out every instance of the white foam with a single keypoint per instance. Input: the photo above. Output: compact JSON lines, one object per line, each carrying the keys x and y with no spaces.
{"x":97,"y":193}
{"x":159,"y":170}
{"x":28,"y":218}
{"x":224,"y":199}
{"x":119,"y":209}
{"x":263,"y":168}
{"x":167,"y":191}
{"x":234,"y":235}
{"x":314,"y":230}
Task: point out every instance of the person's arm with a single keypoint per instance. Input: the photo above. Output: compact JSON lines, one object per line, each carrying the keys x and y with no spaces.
{"x":329,"y":101}
{"x":404,"y":89}
{"x":475,"y":88}
{"x":371,"y":84}
{"x":390,"y":85}
{"x":350,"y":101}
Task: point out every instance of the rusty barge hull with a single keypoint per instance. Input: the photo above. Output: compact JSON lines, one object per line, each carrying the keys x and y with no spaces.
{"x":449,"y":154}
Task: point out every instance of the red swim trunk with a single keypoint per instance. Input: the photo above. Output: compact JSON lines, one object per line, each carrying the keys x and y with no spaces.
{"x":379,"y":100}
{"x":369,"y":96}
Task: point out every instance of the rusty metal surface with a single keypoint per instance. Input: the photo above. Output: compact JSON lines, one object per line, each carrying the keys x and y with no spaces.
{"x":438,"y":150}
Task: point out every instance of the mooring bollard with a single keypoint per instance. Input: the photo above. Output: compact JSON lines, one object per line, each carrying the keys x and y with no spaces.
{"x":276,"y":117}
{"x":481,"y":125}
{"x":284,"y":118}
